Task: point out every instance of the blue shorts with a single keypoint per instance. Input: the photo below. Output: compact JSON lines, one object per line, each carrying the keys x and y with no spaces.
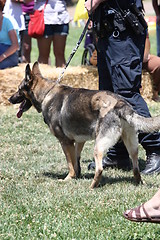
{"x":52,"y":29}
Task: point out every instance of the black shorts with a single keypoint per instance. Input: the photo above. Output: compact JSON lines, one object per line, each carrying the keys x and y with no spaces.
{"x":53,"y":29}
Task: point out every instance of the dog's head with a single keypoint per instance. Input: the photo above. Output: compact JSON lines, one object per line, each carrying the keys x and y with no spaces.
{"x":23,"y":95}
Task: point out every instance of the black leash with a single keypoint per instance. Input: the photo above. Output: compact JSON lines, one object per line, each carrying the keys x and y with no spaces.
{"x":74,"y":51}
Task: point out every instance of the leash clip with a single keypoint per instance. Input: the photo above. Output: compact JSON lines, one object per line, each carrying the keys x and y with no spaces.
{"x":116,"y":34}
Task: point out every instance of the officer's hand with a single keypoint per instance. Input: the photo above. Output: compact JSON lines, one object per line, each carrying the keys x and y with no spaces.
{"x":92,"y":5}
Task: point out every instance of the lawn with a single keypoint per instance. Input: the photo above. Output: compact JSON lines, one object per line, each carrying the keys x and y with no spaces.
{"x":36,"y":205}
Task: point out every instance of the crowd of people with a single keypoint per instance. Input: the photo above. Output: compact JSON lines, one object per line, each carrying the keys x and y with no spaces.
{"x":123,"y":51}
{"x":16,"y":14}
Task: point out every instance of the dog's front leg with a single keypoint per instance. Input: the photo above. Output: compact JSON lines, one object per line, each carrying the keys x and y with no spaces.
{"x":78,"y":150}
{"x":69,"y":151}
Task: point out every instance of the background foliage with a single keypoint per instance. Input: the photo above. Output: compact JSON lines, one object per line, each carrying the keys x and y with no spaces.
{"x":34,"y":204}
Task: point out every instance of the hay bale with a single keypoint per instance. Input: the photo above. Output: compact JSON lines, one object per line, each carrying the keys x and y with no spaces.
{"x":86,"y":77}
{"x":147,"y":86}
{"x":80,"y":76}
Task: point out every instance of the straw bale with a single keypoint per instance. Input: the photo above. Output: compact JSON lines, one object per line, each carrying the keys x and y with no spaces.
{"x":86,"y":77}
{"x":147,"y":86}
{"x":80,"y":76}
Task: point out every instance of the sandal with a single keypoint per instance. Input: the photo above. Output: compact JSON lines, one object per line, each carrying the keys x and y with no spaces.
{"x":138,"y":217}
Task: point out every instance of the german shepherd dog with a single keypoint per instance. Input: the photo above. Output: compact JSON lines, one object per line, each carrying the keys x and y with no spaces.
{"x":76,"y":115}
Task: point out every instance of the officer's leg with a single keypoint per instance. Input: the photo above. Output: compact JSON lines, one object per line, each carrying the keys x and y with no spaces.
{"x":126,"y":79}
{"x":117,"y":155}
{"x":149,"y":141}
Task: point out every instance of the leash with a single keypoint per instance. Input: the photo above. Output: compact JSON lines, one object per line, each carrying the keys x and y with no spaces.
{"x":74,"y":51}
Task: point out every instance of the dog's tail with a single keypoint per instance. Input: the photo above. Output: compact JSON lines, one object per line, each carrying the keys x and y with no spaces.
{"x":140,"y":123}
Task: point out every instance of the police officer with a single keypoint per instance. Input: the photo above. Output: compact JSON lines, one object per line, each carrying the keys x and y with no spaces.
{"x":121,"y":31}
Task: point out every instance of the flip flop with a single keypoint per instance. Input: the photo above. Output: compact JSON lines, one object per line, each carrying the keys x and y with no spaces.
{"x":138,"y":217}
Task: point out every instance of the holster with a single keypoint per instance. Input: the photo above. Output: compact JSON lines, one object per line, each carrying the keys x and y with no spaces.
{"x":106,"y":20}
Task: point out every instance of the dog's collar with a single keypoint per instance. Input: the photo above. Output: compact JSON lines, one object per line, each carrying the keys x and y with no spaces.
{"x":47,"y":96}
{"x":35,"y":103}
{"x":49,"y":90}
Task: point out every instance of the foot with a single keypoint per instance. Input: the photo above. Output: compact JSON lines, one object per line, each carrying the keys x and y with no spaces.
{"x":107,"y":162}
{"x":143,"y":213}
{"x":153,"y":164}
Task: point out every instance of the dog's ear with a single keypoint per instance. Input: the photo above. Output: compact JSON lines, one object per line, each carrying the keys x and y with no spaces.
{"x":35,"y":69}
{"x":28,"y":73}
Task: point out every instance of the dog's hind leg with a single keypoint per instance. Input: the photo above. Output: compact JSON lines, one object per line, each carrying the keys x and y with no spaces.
{"x":78,"y":150}
{"x":130,"y":140}
{"x":98,"y":155}
{"x":104,"y":141}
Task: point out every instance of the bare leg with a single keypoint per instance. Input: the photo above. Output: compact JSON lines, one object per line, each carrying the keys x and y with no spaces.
{"x":152,"y":208}
{"x":44,"y":45}
{"x":26,"y":49}
{"x":59,"y":43}
{"x":153,"y":205}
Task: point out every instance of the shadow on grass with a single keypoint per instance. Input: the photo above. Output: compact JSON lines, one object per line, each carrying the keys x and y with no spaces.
{"x":54,"y":175}
{"x":104,"y":180}
{"x":114,"y":180}
{"x":110,"y":180}
{"x":90,"y":175}
{"x":142,"y":164}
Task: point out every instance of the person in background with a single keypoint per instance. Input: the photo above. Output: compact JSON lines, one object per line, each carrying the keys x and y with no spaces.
{"x":151,"y":64}
{"x":13,"y":9}
{"x":147,"y":212}
{"x":27,"y":8}
{"x":121,"y":45}
{"x":156,"y":6}
{"x":56,"y":18}
{"x":8,"y":41}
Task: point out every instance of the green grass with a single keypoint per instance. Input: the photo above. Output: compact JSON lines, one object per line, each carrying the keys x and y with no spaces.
{"x":36,"y":205}
{"x":152,"y":36}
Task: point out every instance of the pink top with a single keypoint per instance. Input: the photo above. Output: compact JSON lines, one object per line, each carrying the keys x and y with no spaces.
{"x":28,"y":7}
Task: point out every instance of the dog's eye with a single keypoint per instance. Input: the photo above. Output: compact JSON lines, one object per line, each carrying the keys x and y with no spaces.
{"x":20,"y":89}
{"x":26,"y":86}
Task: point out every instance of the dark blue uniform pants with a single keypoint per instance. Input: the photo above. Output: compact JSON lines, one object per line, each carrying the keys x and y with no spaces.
{"x":120,"y":68}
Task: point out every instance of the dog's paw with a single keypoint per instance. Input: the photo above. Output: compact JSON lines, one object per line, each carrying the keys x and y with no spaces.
{"x":67,"y":178}
{"x":94,"y":184}
{"x":61,"y":180}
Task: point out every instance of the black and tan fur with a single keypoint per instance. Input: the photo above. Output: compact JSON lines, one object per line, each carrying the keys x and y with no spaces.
{"x":76,"y":115}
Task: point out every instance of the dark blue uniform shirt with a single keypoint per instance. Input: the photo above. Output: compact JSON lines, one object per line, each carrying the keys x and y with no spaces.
{"x":120,"y":67}
{"x":124,"y":4}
